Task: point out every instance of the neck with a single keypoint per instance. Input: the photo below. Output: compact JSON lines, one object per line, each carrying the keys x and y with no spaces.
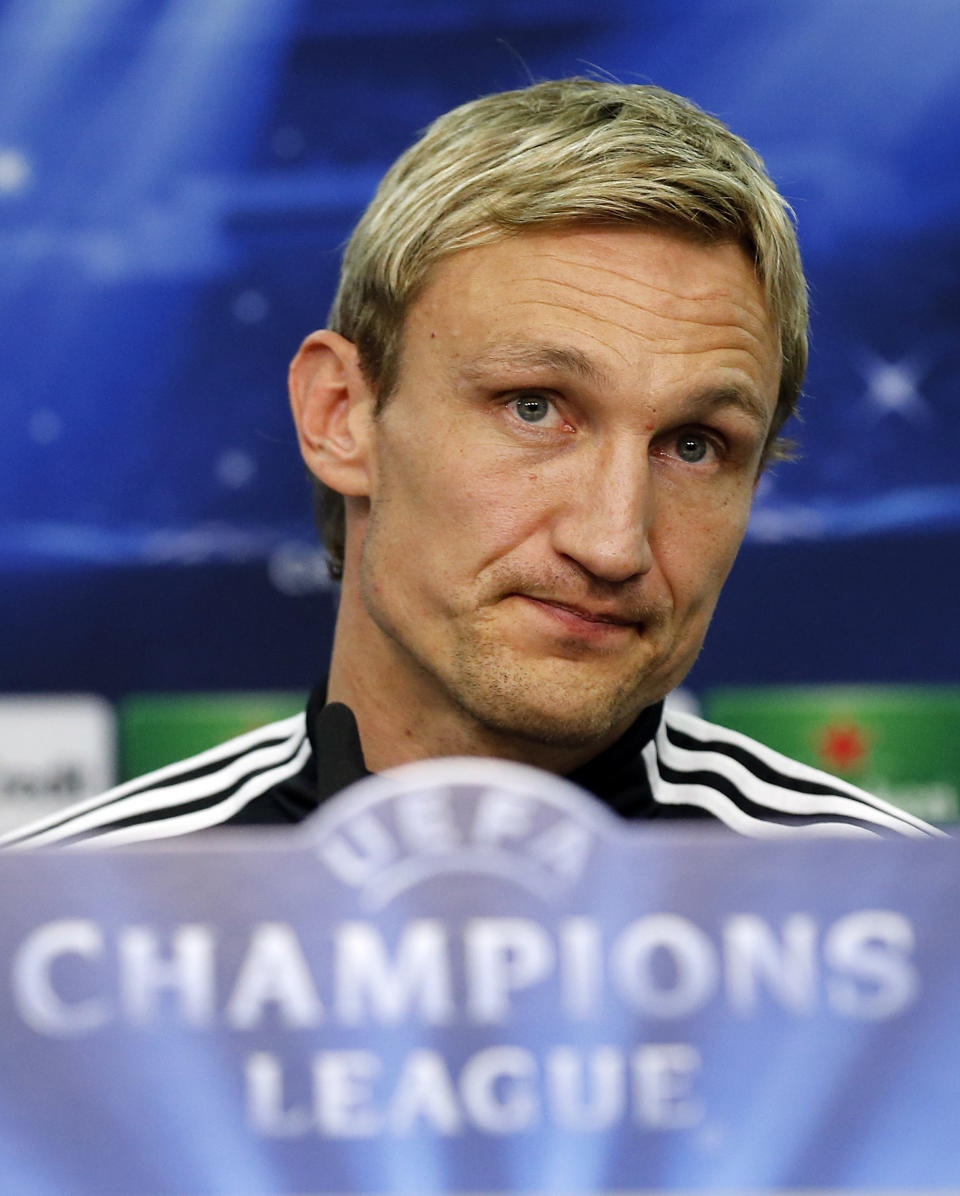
{"x":398,"y":726}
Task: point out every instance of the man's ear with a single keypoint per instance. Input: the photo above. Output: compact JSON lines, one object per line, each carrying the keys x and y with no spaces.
{"x":333,"y":409}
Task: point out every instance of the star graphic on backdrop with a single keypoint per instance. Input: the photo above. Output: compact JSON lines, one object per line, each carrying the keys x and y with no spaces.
{"x":843,"y":747}
{"x":15,"y":171}
{"x":235,"y":468}
{"x":894,"y":386}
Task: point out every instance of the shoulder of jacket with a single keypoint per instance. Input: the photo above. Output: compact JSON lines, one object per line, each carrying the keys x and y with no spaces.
{"x":195,"y":793}
{"x":761,"y":792}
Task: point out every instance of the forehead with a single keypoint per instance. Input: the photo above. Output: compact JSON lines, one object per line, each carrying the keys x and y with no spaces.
{"x":607,"y":298}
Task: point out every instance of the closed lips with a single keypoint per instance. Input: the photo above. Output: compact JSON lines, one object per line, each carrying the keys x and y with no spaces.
{"x":591,"y":616}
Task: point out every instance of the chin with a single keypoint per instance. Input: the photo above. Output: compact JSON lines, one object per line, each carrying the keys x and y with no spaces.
{"x":555,"y":729}
{"x":571,"y":712}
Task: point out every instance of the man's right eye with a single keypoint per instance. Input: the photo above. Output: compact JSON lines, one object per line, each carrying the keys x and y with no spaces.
{"x":532,"y":408}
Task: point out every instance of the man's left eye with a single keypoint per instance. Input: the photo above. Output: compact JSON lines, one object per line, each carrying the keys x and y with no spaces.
{"x":692,"y":447}
{"x":532,"y":408}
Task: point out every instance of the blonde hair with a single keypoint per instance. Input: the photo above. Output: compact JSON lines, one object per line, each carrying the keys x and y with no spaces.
{"x":556,"y":154}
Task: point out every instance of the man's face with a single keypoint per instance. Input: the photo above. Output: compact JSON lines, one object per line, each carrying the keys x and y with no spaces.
{"x":561,"y":480}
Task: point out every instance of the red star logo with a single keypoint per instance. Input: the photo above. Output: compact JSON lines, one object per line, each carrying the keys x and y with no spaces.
{"x":843,"y":747}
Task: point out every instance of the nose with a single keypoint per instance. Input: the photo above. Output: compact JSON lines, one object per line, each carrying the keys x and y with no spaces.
{"x":604,"y":520}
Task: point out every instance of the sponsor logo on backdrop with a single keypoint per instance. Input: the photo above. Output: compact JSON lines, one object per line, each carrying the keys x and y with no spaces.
{"x":898,"y":742}
{"x":843,"y":747}
{"x":54,"y":750}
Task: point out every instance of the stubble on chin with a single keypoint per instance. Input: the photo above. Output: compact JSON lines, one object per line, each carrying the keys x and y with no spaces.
{"x":559,"y":701}
{"x":549,"y":701}
{"x":507,"y":693}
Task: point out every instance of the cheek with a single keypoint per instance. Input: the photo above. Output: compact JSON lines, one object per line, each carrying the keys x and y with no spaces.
{"x":451,"y":490}
{"x":495,"y":502}
{"x":446,"y":514}
{"x":697,"y":547}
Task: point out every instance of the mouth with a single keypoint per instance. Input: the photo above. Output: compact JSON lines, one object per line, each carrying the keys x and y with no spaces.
{"x":583,"y":621}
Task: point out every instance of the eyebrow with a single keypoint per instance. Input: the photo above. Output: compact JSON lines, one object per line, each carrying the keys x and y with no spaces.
{"x":744,"y":399}
{"x":560,"y":358}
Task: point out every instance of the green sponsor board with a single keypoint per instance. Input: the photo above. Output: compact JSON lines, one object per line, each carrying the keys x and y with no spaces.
{"x":901,"y":743}
{"x":157,"y":729}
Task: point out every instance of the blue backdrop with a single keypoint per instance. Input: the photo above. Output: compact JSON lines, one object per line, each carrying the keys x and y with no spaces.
{"x":177,"y":178}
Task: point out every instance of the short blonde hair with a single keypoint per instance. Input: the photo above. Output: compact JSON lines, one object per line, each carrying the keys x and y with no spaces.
{"x":558,"y":154}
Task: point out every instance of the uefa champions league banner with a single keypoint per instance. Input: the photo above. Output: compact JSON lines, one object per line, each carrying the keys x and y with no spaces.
{"x":469,"y":977}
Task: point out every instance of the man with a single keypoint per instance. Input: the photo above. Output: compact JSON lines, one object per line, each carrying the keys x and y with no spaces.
{"x":569,"y":330}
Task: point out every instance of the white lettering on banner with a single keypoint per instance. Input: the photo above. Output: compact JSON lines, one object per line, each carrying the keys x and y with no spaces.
{"x":265,"y":1103}
{"x":424,"y":1094}
{"x":368,"y":986}
{"x":663,"y":1079}
{"x":497,"y":1089}
{"x":187,"y":972}
{"x":588,"y":1096}
{"x":502,"y":817}
{"x":423,"y":827}
{"x":274,"y":972}
{"x":342,"y":1092}
{"x":37,"y":1001}
{"x":688,"y":970}
{"x":503,"y":955}
{"x":372,"y":848}
{"x":581,"y":967}
{"x":70,"y":978}
{"x":871,"y":952}
{"x":562,"y":849}
{"x":500,"y":1091}
{"x":426,"y":823}
{"x":753,"y":954}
